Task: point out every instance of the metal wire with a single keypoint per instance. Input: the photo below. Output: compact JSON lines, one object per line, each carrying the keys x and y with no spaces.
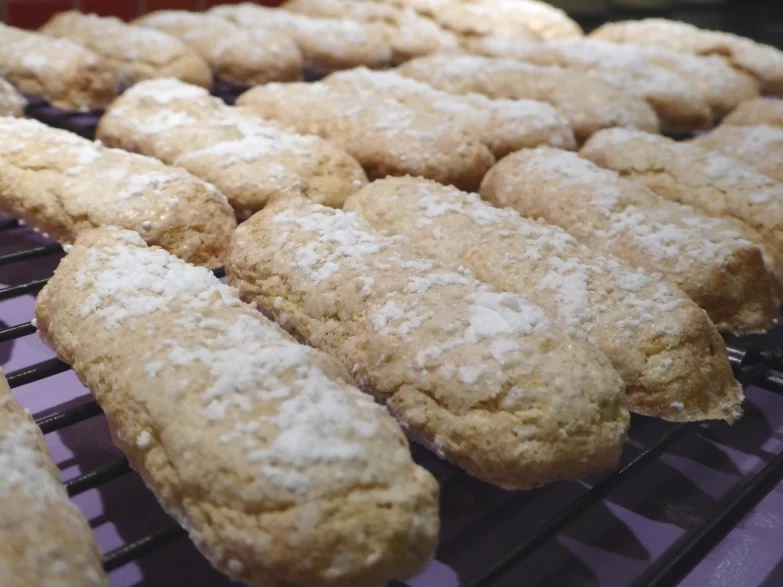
{"x":752,"y":364}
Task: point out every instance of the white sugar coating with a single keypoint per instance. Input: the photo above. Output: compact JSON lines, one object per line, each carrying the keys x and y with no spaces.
{"x":39,"y":53}
{"x":137,"y":184}
{"x":259,"y":379}
{"x":24,"y":466}
{"x":165,"y":91}
{"x":168,"y":120}
{"x":135,"y":281}
{"x":495,"y":314}
{"x":259,"y":146}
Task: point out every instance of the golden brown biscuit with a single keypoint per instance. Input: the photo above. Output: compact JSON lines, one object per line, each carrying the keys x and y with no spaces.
{"x":248,"y":158}
{"x":61,"y":184}
{"x":57,"y":70}
{"x":665,"y":348}
{"x":722,"y":86}
{"x":683,"y":172}
{"x":757,"y":111}
{"x":707,"y":257}
{"x":502,"y":125}
{"x":587,"y":103}
{"x":763,"y":62}
{"x":409,"y":34}
{"x":679,"y":105}
{"x":481,"y":377}
{"x":386,"y":137}
{"x":133,"y":53}
{"x":235,"y":54}
{"x":281,"y":471}
{"x":501,"y":16}
{"x":44,"y":539}
{"x":759,"y":147}
{"x":12,"y":103}
{"x":327,"y":44}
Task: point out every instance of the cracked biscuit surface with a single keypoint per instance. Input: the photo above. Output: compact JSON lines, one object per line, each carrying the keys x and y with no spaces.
{"x":759,"y":147}
{"x":483,"y":378}
{"x":236,"y":55}
{"x":683,"y":172}
{"x":133,"y":53}
{"x":763,"y":62}
{"x":327,"y":44}
{"x":385,"y":136}
{"x":680,"y":105}
{"x":588,"y":104}
{"x":44,"y":539}
{"x":502,"y":125}
{"x":282,"y":472}
{"x":409,"y":34}
{"x":61,"y":184}
{"x":57,"y":70}
{"x":669,"y":354}
{"x":249,"y":159}
{"x":711,"y":259}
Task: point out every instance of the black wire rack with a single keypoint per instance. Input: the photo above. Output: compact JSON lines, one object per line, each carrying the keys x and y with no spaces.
{"x":753,"y":361}
{"x":757,"y":361}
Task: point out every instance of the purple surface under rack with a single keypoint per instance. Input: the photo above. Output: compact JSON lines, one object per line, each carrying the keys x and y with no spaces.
{"x":691,"y":504}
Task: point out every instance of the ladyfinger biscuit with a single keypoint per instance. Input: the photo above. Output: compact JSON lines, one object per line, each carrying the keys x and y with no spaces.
{"x":12,"y":103}
{"x":410,"y":35}
{"x":57,"y":70}
{"x":718,"y":185}
{"x":722,"y":86}
{"x":281,"y":472}
{"x":483,"y":378}
{"x":61,"y":184}
{"x":763,"y":62}
{"x":707,"y":257}
{"x":542,"y":18}
{"x":502,"y":125}
{"x":669,"y":354}
{"x":680,"y":106}
{"x":44,"y":540}
{"x":386,"y":137}
{"x":247,"y":158}
{"x":587,"y":103}
{"x":133,"y":53}
{"x":759,"y":147}
{"x":327,"y":44}
{"x":236,"y":55}
{"x":757,"y":111}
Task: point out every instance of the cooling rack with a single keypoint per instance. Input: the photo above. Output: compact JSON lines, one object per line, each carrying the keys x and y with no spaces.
{"x":700,"y":479}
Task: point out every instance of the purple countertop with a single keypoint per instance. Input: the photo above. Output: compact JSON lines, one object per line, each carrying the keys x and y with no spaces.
{"x":608,"y":547}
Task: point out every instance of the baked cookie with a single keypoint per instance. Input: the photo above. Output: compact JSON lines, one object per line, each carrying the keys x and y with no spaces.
{"x":504,"y":16}
{"x":386,"y":137}
{"x":712,"y":261}
{"x":587,"y":103}
{"x":12,"y":103}
{"x":502,"y":125}
{"x":57,"y":70}
{"x":483,"y":378}
{"x":327,"y":44}
{"x":718,"y":185}
{"x":249,"y":159}
{"x":236,"y":55}
{"x":763,"y":62}
{"x":669,"y":354}
{"x":757,"y":111}
{"x":759,"y":147}
{"x":279,"y":469}
{"x":409,"y":34}
{"x":132,"y":53}
{"x":44,"y":539}
{"x":61,"y":184}
{"x":679,"y":104}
